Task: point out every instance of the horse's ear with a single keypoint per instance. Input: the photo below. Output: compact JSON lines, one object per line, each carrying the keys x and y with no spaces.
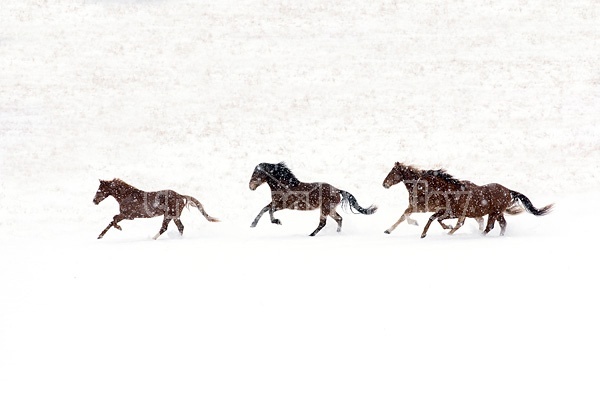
{"x":397,"y":164}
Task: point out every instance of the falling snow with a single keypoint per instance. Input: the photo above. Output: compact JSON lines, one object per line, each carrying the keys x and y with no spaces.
{"x":193,"y":95}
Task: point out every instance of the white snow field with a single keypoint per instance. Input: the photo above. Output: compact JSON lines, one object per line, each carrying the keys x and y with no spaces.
{"x":191,"y":95}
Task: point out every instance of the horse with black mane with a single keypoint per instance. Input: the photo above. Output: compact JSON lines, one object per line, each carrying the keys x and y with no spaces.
{"x":287,"y":192}
{"x":136,"y":203}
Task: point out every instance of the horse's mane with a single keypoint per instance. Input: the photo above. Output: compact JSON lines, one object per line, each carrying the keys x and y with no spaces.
{"x":444,"y":175}
{"x":439,"y":173}
{"x":281,"y":172}
{"x":123,"y":186}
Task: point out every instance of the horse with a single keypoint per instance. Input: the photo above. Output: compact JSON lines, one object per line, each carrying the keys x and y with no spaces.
{"x":287,"y":192}
{"x":425,"y":192}
{"x":136,"y":203}
{"x":493,"y":200}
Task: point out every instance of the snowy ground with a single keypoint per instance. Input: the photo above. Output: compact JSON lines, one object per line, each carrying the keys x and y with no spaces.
{"x":192,"y":95}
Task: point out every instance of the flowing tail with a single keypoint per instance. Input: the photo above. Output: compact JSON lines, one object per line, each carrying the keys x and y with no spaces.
{"x":348,"y":199}
{"x":514,"y":209}
{"x":529,"y":206}
{"x":198,"y":205}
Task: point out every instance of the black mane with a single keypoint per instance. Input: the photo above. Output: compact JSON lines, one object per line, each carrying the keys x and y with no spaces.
{"x":443,"y":174}
{"x":280,"y":173}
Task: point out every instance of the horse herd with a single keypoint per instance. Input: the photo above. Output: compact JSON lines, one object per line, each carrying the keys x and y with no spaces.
{"x":433,"y":191}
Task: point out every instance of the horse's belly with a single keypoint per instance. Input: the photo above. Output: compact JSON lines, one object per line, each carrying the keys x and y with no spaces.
{"x":302,"y":206}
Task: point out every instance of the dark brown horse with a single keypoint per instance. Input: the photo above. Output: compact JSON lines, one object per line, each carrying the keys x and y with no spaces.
{"x":135,"y":203}
{"x":493,"y":200}
{"x":426,"y":193}
{"x":287,"y":192}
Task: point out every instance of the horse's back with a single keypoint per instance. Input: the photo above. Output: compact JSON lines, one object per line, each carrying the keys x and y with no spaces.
{"x":143,"y":204}
{"x":499,"y":196}
{"x":307,"y":196}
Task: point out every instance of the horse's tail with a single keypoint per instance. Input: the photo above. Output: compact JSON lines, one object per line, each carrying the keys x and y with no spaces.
{"x":529,"y":206}
{"x":348,"y":199}
{"x":514,"y":209}
{"x":198,"y":205}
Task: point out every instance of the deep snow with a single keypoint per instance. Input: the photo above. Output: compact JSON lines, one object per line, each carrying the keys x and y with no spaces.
{"x":190,"y":96}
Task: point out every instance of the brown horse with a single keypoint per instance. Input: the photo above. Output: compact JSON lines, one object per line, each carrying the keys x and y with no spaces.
{"x":135,"y":203}
{"x":426,"y":193}
{"x":287,"y":192}
{"x":493,"y":200}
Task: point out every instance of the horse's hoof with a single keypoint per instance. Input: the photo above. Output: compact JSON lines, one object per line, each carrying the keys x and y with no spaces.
{"x":422,"y":236}
{"x":388,"y":232}
{"x":276,"y":222}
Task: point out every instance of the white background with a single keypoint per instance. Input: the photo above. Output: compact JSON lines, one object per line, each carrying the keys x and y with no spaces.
{"x":191,"y":95}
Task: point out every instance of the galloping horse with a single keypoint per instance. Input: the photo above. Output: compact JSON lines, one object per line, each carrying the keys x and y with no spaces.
{"x":427,"y":192}
{"x":493,"y":200}
{"x":288,"y":192}
{"x":135,"y":203}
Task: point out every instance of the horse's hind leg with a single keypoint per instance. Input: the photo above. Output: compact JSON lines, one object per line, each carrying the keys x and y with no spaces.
{"x":163,"y":228}
{"x":179,"y":225}
{"x":480,"y":222}
{"x":337,"y":217}
{"x":405,"y":216}
{"x":115,"y":222}
{"x":502,"y":222}
{"x":322,"y":222}
{"x":490,"y":224}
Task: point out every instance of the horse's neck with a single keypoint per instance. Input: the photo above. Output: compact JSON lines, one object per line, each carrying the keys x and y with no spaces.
{"x":278,"y":185}
{"x":122,"y":191}
{"x":412,"y":180}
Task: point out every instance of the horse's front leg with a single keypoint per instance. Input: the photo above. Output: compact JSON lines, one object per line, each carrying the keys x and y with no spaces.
{"x":115,"y":222}
{"x":271,"y":209}
{"x":434,"y":216}
{"x":273,"y":219}
{"x":459,"y":223}
{"x":404,"y":216}
{"x":411,"y":221}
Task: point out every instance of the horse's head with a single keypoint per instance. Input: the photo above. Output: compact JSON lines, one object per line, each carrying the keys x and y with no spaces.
{"x":399,"y":173}
{"x":259,"y":176}
{"x":104,"y":190}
